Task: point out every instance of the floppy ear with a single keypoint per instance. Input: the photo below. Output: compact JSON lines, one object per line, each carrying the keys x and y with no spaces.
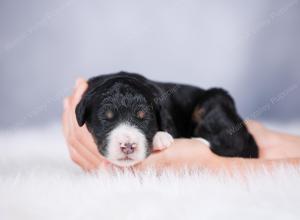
{"x":82,"y":110}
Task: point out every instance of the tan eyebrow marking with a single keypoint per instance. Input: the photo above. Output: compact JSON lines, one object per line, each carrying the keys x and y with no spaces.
{"x":109,"y":114}
{"x":140,"y":114}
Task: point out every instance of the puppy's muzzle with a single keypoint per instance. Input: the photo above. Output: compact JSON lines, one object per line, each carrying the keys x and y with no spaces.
{"x":126,"y":145}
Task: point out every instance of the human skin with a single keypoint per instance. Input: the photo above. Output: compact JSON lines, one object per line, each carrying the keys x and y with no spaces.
{"x":274,"y":148}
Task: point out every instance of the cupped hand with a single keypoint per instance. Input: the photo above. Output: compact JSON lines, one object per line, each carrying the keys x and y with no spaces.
{"x":183,"y":153}
{"x":82,"y":148}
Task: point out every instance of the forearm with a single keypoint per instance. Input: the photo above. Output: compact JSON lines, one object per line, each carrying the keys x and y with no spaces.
{"x":243,"y":166}
{"x":189,"y":153}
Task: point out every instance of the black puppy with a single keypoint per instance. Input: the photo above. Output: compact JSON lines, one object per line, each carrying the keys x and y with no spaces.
{"x":129,"y":116}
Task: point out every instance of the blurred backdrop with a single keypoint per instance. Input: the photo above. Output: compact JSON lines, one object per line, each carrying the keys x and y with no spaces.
{"x":251,"y":48}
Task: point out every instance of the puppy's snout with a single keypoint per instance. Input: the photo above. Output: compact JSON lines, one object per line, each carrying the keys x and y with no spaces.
{"x":128,"y":148}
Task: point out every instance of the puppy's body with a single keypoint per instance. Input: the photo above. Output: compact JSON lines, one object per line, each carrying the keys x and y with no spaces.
{"x":124,"y":112}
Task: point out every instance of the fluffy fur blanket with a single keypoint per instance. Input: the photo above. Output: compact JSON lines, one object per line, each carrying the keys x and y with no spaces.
{"x":38,"y":181}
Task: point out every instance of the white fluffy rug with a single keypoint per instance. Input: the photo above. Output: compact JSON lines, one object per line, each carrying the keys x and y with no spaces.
{"x":38,"y":181}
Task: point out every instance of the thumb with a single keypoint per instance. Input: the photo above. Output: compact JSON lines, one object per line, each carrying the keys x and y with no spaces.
{"x":81,"y":87}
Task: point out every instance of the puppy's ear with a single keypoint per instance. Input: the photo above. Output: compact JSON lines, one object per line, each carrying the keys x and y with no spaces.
{"x":83,"y":107}
{"x":82,"y":110}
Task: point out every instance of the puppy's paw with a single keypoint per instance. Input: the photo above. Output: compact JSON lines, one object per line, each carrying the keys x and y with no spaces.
{"x":162,"y":140}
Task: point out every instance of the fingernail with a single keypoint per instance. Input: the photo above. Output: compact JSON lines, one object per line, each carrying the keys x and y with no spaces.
{"x":77,"y":82}
{"x":65,"y":103}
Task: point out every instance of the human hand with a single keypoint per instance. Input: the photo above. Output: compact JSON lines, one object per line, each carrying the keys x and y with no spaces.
{"x":189,"y":153}
{"x":82,"y":148}
{"x":192,"y":153}
{"x":275,"y":149}
{"x":273,"y":144}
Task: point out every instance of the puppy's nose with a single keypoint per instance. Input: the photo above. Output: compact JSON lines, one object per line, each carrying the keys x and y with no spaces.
{"x":128,"y":148}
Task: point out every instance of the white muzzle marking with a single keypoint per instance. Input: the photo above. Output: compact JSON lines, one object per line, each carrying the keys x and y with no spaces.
{"x":123,"y":135}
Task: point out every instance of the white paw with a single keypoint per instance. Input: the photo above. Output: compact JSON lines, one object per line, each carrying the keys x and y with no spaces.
{"x":162,"y":140}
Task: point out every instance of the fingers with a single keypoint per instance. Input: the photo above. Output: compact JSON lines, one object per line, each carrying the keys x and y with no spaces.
{"x":155,"y":161}
{"x":82,"y":149}
{"x":183,"y":152}
{"x":65,"y":121}
{"x":79,"y":160}
{"x":81,"y":133}
{"x":77,"y":151}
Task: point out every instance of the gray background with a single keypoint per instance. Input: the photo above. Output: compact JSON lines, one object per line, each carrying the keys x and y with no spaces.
{"x":249,"y":47}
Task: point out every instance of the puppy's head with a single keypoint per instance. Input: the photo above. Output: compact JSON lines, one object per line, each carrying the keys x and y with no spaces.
{"x":121,"y":118}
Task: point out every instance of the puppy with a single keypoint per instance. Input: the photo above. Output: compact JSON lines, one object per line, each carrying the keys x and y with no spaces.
{"x":129,"y":116}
